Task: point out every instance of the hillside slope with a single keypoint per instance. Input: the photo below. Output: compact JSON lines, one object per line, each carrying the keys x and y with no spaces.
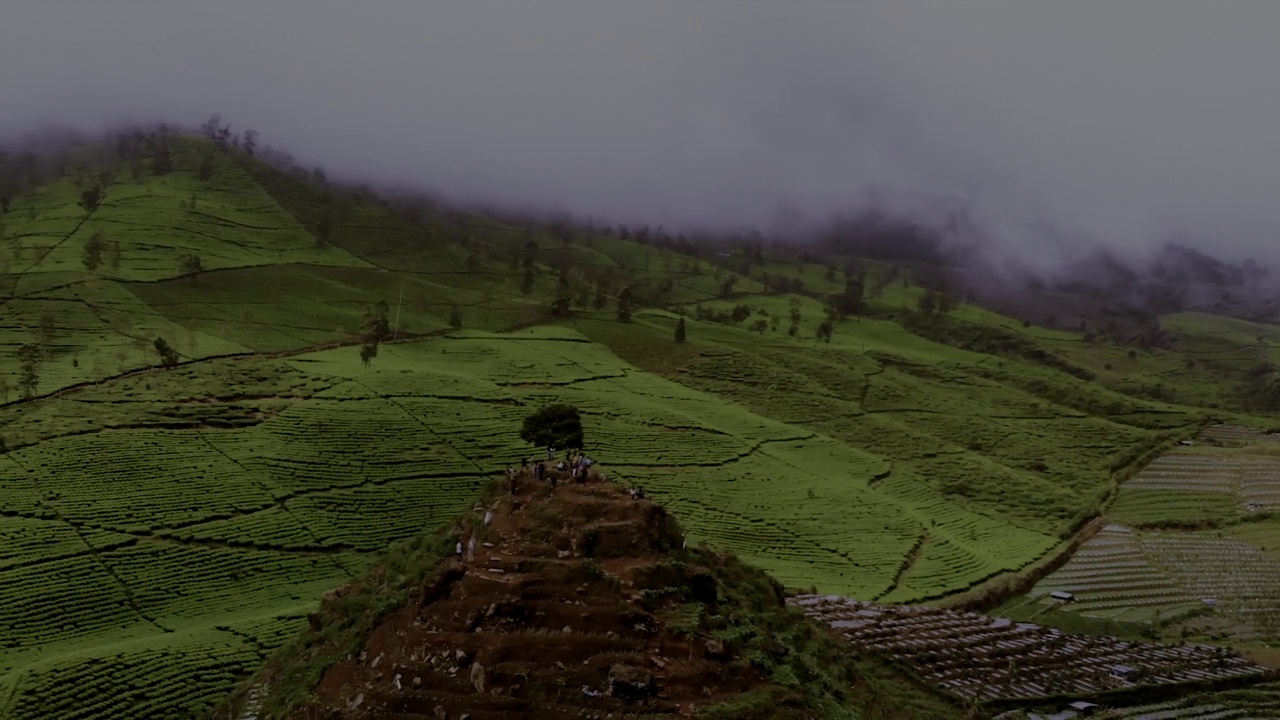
{"x":576,"y":599}
{"x":162,"y":530}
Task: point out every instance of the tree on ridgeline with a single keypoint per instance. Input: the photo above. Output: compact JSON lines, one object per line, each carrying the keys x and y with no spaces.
{"x":161,"y":159}
{"x":92,"y":253}
{"x":249,"y":142}
{"x":455,"y":316}
{"x":680,"y":332}
{"x":558,"y":426}
{"x":168,"y":356}
{"x":29,"y":357}
{"x":624,"y":305}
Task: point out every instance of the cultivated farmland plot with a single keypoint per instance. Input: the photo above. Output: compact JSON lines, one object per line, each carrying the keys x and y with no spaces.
{"x":976,"y":657}
{"x":1238,"y":435}
{"x":1110,"y":576}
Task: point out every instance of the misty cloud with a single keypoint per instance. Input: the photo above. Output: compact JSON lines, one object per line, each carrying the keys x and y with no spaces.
{"x":1123,"y":123}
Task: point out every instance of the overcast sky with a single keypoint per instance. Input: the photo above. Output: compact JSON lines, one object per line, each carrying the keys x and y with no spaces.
{"x":1122,"y":120}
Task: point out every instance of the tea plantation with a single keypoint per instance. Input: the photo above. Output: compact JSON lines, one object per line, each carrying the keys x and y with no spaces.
{"x":162,"y":529}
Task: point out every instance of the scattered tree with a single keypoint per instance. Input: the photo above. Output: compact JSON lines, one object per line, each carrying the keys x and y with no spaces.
{"x":558,"y":426}
{"x":564,"y":295}
{"x":323,"y":230}
{"x":29,"y":356}
{"x":526,"y":283}
{"x":249,"y":142}
{"x":375,"y":326}
{"x":624,"y":305}
{"x":90,"y":199}
{"x":455,"y":316}
{"x":760,"y":325}
{"x":928,"y":302}
{"x":191,"y":265}
{"x":205,"y":171}
{"x":825,"y":330}
{"x":46,"y":332}
{"x":91,"y":255}
{"x":680,"y":333}
{"x":168,"y":356}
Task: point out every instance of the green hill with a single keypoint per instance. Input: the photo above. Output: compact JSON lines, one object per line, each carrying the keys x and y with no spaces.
{"x":163,"y":529}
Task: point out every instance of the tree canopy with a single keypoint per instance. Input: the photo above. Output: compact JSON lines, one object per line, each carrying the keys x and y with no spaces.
{"x":554,"y":426}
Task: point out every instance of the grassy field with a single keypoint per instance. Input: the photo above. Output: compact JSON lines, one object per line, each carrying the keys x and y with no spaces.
{"x":162,"y":529}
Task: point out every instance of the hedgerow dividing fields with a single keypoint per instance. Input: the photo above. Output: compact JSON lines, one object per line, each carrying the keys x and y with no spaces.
{"x":977,"y":657}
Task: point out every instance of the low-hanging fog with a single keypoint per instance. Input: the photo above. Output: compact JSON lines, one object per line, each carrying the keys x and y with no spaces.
{"x":1060,"y":124}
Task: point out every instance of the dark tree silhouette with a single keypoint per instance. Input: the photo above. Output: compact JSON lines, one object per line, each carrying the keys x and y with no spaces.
{"x":825,"y":330}
{"x":680,"y":333}
{"x":168,"y":356}
{"x":205,"y":171}
{"x":564,"y":295}
{"x":624,"y":305}
{"x":29,"y":357}
{"x":191,"y":265}
{"x":526,"y":283}
{"x":91,"y":256}
{"x":90,"y":199}
{"x":557,"y":426}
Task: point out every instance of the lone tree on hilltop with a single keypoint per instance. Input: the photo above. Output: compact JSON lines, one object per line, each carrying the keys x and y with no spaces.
{"x":168,"y":356}
{"x":680,"y":334}
{"x":91,"y":256}
{"x":29,"y":357}
{"x":554,"y":426}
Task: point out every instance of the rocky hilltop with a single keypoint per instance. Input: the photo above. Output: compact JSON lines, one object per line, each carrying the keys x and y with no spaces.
{"x":576,"y":600}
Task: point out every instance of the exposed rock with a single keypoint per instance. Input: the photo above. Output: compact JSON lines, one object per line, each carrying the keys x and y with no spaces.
{"x":477,"y":677}
{"x":715,"y":650}
{"x":631,"y":683}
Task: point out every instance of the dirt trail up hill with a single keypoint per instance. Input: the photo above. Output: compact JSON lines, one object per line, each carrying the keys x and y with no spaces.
{"x":564,"y":611}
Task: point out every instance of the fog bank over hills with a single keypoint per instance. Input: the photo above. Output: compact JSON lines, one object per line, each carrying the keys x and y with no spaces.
{"x":1058,"y":127}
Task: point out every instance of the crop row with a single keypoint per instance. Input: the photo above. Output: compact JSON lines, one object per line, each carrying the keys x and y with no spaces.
{"x":183,"y":679}
{"x":1238,"y":435}
{"x":1110,"y":572}
{"x":171,"y":474}
{"x":978,"y":657}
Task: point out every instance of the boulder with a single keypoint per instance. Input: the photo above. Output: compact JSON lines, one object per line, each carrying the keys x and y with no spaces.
{"x":630,"y":683}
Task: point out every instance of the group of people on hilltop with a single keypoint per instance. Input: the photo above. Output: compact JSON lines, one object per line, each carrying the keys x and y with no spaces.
{"x":578,"y":465}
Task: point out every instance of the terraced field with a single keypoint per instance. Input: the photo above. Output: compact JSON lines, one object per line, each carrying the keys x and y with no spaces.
{"x":976,"y":657}
{"x":1158,"y":573}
